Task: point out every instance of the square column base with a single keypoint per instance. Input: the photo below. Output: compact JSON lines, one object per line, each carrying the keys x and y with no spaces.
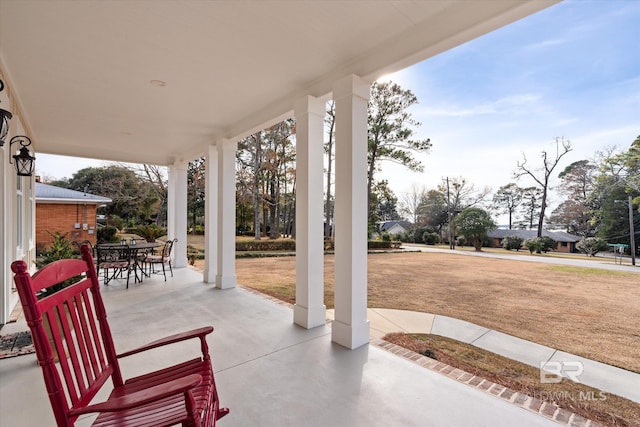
{"x":350,"y":336}
{"x":225,"y":282}
{"x":310,"y":317}
{"x":208,"y":276}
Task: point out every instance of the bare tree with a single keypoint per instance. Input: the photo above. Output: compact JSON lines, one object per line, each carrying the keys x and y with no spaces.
{"x":251,"y":158}
{"x":411,"y":202}
{"x":156,"y":176}
{"x":462,"y":193}
{"x":268,"y":157}
{"x":542,"y":175}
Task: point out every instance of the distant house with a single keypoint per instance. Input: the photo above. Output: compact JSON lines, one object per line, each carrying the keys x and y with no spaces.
{"x":394,"y":227}
{"x":566,"y":242}
{"x":66,"y":211}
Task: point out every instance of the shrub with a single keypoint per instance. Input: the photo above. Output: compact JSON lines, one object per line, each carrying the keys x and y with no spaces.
{"x":150,"y":232}
{"x":430,"y":238}
{"x":540,"y":244}
{"x":547,"y":244}
{"x":512,"y":242}
{"x":107,"y":234}
{"x":416,"y":235}
{"x":378,"y":244}
{"x":403,"y":237}
{"x":533,"y":245}
{"x":592,"y":245}
{"x":386,"y":237}
{"x":461,"y":241}
{"x":60,"y":248}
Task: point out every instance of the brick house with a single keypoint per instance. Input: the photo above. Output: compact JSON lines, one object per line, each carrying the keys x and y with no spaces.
{"x":566,"y":242}
{"x":66,"y":211}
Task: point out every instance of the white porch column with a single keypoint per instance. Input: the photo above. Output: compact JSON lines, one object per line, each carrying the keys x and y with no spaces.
{"x":177,"y":212}
{"x":351,"y":327}
{"x":226,"y":274}
{"x":211,"y":215}
{"x":309,"y":310}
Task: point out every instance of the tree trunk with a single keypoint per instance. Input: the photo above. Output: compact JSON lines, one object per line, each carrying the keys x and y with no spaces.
{"x":543,"y":207}
{"x":327,"y":214}
{"x":273,"y":211}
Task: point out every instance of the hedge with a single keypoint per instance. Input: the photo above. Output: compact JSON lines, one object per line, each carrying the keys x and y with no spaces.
{"x":266,"y":245}
{"x":289,"y":246}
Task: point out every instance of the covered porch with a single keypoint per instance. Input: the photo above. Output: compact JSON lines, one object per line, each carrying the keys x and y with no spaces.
{"x":270,"y":372}
{"x":167,"y":82}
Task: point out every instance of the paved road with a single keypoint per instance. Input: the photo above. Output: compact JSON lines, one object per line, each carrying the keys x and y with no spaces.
{"x":579,"y":261}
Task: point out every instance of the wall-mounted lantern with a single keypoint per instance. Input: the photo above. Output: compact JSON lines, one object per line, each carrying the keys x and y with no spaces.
{"x":23,"y":161}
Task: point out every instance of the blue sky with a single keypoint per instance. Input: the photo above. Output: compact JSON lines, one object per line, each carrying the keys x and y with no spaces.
{"x":572,"y":70}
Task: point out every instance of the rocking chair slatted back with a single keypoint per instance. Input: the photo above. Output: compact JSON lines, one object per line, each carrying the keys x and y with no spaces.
{"x":76,"y":322}
{"x":80,"y":336}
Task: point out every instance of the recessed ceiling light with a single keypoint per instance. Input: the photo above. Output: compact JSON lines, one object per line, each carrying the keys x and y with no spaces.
{"x":158,"y":83}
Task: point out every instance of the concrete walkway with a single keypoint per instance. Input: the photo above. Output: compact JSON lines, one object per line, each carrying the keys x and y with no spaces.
{"x":604,"y":377}
{"x":576,"y":260}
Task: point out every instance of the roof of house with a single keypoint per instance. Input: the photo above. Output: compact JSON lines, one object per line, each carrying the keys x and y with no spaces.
{"x":558,"y":236}
{"x":52,"y":194}
{"x":387,"y":225}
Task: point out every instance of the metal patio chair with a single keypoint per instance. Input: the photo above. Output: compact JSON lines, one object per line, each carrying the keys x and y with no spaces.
{"x":164,"y":259}
{"x":114,"y":257}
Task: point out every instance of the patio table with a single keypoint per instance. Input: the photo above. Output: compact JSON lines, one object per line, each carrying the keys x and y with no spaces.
{"x":135,"y":251}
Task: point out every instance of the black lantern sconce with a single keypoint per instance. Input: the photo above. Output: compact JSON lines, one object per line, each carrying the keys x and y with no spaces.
{"x":5,"y":116}
{"x":24,"y":161}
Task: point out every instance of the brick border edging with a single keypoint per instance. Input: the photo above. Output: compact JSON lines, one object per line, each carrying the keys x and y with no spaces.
{"x":546,"y":409}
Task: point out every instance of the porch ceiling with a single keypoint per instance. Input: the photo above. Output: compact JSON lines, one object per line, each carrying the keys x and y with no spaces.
{"x":82,"y":72}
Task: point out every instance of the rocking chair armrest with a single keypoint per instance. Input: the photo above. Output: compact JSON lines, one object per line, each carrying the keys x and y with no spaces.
{"x":195,"y":333}
{"x":142,"y":397}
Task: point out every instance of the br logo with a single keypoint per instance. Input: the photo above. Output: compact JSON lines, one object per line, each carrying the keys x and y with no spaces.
{"x":552,"y":372}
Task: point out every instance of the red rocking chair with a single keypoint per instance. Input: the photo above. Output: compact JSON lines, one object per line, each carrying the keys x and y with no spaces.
{"x":183,"y":394}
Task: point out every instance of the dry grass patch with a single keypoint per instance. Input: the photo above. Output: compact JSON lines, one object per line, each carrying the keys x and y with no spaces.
{"x":586,"y":311}
{"x":607,"y":409}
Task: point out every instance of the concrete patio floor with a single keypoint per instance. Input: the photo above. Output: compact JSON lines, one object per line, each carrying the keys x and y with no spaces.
{"x":269,"y":371}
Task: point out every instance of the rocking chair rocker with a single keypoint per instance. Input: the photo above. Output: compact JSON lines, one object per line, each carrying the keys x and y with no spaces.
{"x":183,"y":394}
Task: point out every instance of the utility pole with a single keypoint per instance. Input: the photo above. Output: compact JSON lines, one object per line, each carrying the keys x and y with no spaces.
{"x":632,"y":237}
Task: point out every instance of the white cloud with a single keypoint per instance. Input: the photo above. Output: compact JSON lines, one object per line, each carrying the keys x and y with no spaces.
{"x":507,"y":105}
{"x":546,"y":44}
